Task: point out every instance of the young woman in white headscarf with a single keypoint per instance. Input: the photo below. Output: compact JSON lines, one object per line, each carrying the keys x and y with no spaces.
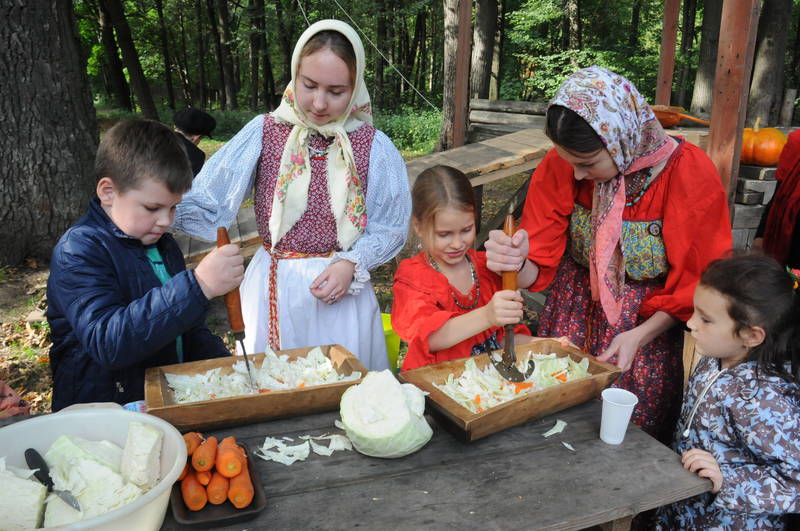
{"x":621,"y":219}
{"x":331,"y":203}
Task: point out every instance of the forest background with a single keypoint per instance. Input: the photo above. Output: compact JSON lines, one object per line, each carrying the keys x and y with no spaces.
{"x":69,"y":69}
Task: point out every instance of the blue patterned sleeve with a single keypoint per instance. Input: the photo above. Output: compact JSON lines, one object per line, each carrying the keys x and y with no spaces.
{"x":221,"y":186}
{"x":388,"y":210}
{"x":764,"y":476}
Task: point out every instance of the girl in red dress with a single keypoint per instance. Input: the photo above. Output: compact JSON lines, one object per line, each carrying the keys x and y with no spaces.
{"x":447,"y":304}
{"x":622,"y":219}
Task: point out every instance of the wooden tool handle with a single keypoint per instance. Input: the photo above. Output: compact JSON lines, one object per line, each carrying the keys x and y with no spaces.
{"x":233,"y":303}
{"x":509,"y":277}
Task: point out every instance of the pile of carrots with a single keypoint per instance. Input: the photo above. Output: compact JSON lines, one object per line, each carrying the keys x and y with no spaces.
{"x":215,"y":472}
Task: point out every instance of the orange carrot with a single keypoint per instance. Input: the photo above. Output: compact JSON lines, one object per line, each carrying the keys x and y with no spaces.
{"x":264,"y":390}
{"x":217,"y":489}
{"x":194,"y":495}
{"x":477,"y":399}
{"x":240,"y":490}
{"x":562,"y":376}
{"x":521,"y":386}
{"x":203,"y":458}
{"x":203,"y":477}
{"x":184,"y":471}
{"x":192,"y":440}
{"x":229,"y":461}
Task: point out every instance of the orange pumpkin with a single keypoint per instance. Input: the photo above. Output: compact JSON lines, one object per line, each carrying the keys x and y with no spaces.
{"x":762,"y":147}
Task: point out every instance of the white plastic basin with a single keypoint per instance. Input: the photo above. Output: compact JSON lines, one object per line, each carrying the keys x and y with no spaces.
{"x":109,"y":423}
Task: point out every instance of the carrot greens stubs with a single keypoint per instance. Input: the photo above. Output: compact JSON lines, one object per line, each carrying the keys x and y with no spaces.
{"x":480,"y":389}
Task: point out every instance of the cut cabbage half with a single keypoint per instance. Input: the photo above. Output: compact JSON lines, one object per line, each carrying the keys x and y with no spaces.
{"x":383,"y":418}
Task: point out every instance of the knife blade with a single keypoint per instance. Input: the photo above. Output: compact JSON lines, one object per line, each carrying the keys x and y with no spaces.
{"x":42,"y":472}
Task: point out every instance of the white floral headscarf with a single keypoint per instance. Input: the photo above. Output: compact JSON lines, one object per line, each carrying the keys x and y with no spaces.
{"x":345,"y":187}
{"x":623,"y":119}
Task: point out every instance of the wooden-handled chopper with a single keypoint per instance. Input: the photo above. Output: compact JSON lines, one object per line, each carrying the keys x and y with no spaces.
{"x":507,"y":366}
{"x":233,"y":304}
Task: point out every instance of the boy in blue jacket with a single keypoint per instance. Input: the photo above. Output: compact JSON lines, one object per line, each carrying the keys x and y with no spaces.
{"x":119,"y":296}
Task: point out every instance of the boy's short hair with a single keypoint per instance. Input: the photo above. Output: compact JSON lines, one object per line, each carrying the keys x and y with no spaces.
{"x":134,"y":150}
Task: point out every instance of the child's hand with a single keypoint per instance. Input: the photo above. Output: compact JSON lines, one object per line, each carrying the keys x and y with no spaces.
{"x":704,"y":465}
{"x":504,"y":308}
{"x":332,"y":284}
{"x":504,"y":253}
{"x":221,"y":271}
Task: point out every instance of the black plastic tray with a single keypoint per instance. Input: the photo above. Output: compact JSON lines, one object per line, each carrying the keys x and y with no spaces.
{"x":225,"y":513}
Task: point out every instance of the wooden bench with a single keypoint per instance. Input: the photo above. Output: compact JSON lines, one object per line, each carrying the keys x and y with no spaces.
{"x":491,"y":118}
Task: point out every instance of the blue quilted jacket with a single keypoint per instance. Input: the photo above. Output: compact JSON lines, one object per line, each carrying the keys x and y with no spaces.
{"x":110,"y":317}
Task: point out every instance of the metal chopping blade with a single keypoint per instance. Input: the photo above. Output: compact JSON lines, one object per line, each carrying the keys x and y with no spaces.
{"x":233,"y":303}
{"x":507,"y":366}
{"x":36,"y":462}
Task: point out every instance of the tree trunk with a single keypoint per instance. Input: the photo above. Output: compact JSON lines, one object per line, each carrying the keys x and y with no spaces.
{"x":212,"y":17}
{"x":380,"y":37}
{"x":131,"y":58}
{"x":707,"y":63}
{"x":573,"y":11}
{"x":201,"y":53}
{"x":449,"y":73}
{"x":766,"y":86}
{"x":483,"y":35}
{"x":182,"y":59}
{"x":633,"y":34}
{"x":229,"y":80}
{"x":255,"y":39}
{"x":165,"y":53}
{"x":687,"y":40}
{"x":497,"y":53}
{"x":286,"y":36}
{"x":120,"y":92}
{"x":47,"y":152}
{"x":417,"y":50}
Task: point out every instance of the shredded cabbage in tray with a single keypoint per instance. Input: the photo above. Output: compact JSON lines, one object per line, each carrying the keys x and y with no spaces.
{"x":478,"y":390}
{"x":276,"y":373}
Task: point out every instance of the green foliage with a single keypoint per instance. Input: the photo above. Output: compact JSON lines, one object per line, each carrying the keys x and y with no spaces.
{"x":412,"y":131}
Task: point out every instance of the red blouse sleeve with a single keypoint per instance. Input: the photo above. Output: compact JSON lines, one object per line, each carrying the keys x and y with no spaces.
{"x":696,"y":230}
{"x":548,"y":205}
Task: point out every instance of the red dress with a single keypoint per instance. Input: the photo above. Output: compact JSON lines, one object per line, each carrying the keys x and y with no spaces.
{"x":678,"y":226}
{"x":423,"y":303}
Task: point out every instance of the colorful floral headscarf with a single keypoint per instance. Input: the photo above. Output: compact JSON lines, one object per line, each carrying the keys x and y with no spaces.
{"x":345,"y":187}
{"x":623,"y":119}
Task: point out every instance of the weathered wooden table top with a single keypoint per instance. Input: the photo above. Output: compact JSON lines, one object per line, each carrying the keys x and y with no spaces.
{"x":513,"y":479}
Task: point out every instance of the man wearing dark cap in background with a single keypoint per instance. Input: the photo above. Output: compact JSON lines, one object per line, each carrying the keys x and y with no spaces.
{"x":191,"y":125}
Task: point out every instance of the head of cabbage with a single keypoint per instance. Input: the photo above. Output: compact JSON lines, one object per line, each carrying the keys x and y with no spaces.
{"x":384,"y":418}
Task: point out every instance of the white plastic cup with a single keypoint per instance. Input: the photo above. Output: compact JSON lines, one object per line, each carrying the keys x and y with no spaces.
{"x":618,"y":406}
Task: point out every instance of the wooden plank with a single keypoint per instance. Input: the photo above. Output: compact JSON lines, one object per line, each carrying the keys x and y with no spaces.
{"x":497,"y":175}
{"x":760,"y":173}
{"x":747,"y":216}
{"x":519,"y":107}
{"x":515,"y":479}
{"x":470,"y":426}
{"x":507,"y":118}
{"x":731,"y":87}
{"x":463,"y":54}
{"x":749,"y":198}
{"x":246,"y":409}
{"x":666,"y":65}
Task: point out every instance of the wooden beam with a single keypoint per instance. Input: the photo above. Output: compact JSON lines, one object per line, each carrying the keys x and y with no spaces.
{"x":737,"y":37}
{"x":666,"y":64}
{"x":463,"y":55}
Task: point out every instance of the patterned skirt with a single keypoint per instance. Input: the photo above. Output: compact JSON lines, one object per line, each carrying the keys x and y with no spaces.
{"x":656,"y":376}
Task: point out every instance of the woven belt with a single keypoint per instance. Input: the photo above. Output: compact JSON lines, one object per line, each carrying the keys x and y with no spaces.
{"x":274,"y":337}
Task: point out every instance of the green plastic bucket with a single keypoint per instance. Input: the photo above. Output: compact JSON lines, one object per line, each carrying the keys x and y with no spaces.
{"x":392,"y":341}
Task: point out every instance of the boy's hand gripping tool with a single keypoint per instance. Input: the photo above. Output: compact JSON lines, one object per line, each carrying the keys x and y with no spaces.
{"x":233,"y":303}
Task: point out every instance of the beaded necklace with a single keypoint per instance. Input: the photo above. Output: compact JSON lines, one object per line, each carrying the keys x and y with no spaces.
{"x":640,"y":182}
{"x":475,"y":282}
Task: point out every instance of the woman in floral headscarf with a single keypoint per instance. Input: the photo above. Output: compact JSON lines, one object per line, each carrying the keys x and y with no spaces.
{"x":621,"y":220}
{"x":331,"y":203}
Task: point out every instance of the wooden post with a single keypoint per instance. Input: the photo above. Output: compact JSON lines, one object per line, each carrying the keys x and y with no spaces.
{"x":737,"y":37}
{"x":463,"y":55}
{"x":666,"y":64}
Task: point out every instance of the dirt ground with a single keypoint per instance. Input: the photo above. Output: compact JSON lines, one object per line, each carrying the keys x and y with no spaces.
{"x":24,"y":332}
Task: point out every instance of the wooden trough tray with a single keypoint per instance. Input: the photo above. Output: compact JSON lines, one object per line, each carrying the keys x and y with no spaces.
{"x":469,"y":426}
{"x":246,"y":409}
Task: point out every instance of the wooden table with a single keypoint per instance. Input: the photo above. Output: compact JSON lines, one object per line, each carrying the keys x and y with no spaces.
{"x":513,"y":479}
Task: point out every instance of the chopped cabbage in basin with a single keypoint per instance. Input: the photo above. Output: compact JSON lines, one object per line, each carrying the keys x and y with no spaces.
{"x":276,"y":373}
{"x":480,"y":389}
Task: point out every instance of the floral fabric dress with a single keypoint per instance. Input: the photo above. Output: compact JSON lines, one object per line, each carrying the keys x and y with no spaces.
{"x":750,"y":422}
